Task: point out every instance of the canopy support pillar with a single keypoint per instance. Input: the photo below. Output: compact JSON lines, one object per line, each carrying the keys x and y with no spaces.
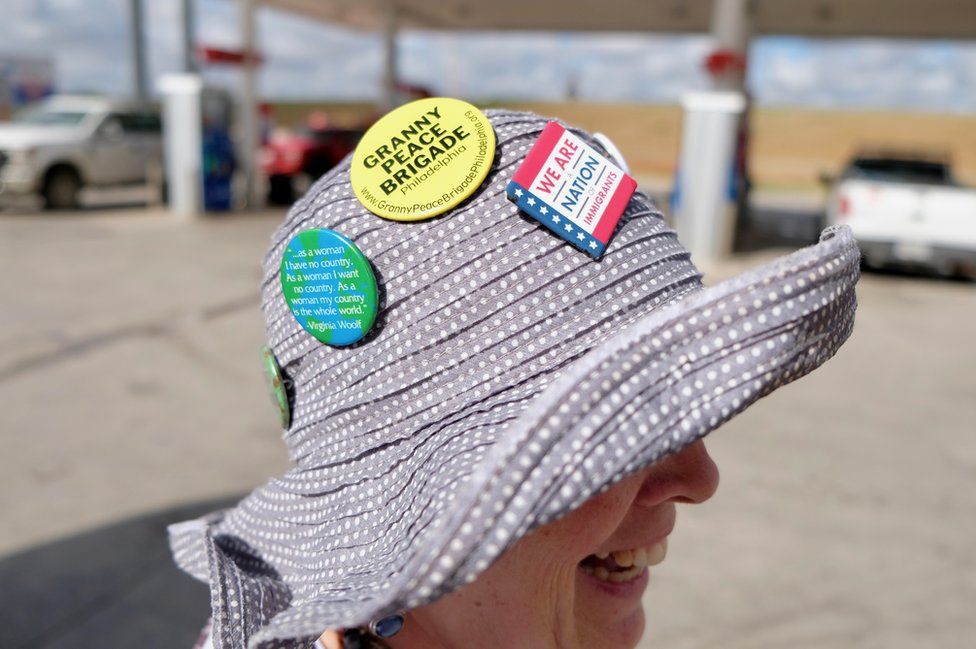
{"x":391,"y":95}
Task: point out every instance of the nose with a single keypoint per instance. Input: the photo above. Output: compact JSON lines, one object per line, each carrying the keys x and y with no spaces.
{"x":689,"y":476}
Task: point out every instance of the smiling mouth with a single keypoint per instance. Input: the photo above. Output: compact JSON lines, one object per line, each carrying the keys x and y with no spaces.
{"x":624,"y":565}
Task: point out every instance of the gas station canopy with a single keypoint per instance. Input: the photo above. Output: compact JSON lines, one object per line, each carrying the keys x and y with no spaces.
{"x":730,"y":23}
{"x":819,"y":18}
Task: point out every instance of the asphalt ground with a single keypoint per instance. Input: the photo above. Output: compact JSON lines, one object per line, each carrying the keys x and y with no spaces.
{"x":131,"y":395}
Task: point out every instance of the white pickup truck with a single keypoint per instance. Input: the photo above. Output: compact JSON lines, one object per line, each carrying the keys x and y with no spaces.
{"x":906,"y":210}
{"x":58,"y":146}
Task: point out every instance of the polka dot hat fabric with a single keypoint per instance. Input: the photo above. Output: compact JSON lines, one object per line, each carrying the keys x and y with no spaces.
{"x":509,"y":378}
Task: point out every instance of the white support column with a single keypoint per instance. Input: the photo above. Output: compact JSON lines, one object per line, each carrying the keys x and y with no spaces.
{"x":705,"y":218}
{"x":709,"y":184}
{"x":248,"y":109}
{"x":182,"y":141}
{"x":391,"y":96}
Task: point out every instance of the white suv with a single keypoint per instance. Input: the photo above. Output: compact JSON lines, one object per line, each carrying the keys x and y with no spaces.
{"x":63,"y":143}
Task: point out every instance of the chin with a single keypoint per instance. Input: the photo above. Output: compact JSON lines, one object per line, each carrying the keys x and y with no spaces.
{"x":624,"y":633}
{"x":632,"y":628}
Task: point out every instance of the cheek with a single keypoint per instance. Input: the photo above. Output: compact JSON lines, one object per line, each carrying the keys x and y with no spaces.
{"x":548,"y":556}
{"x":537,"y":578}
{"x":589,"y":526}
{"x":530,"y":582}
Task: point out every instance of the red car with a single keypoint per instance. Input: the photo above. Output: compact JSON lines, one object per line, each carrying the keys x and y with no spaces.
{"x":292,"y":161}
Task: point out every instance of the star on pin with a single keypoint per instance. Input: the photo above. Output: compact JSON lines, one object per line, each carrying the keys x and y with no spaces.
{"x":555,"y":218}
{"x":544,"y":209}
{"x":518,"y":192}
{"x":569,"y":228}
{"x":593,"y":245}
{"x":580,"y":236}
{"x":531,"y":201}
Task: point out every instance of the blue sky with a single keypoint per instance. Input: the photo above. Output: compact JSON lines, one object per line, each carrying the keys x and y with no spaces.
{"x":89,"y":43}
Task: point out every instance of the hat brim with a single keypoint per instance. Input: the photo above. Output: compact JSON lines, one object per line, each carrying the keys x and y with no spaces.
{"x":656,"y":386}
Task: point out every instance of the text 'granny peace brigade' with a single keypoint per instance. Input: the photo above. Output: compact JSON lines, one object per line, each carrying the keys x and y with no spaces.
{"x":422,"y":159}
{"x":572,"y":189}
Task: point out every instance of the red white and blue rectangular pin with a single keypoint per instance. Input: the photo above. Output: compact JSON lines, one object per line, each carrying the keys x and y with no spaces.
{"x":572,"y":189}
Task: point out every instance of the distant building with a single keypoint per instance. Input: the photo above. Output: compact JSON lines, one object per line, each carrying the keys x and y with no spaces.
{"x":23,"y":80}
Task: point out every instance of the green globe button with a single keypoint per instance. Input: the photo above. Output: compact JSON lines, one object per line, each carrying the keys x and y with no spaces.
{"x":329,"y":286}
{"x":276,"y":385}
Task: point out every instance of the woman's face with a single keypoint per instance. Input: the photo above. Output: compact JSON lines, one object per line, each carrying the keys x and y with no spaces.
{"x":558,"y":586}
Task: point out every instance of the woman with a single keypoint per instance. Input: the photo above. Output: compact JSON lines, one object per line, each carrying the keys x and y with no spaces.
{"x":503,"y":426}
{"x":541,"y":593}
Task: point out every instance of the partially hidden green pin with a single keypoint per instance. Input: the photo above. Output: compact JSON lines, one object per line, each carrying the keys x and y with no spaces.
{"x":276,"y":384}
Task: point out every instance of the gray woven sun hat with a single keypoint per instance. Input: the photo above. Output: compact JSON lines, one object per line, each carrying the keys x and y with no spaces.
{"x":509,"y":378}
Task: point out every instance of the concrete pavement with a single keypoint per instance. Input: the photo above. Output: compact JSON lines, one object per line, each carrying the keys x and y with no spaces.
{"x":130,"y":367}
{"x":130,"y":381}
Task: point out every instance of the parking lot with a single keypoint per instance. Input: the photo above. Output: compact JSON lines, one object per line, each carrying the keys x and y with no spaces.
{"x":130,"y":381}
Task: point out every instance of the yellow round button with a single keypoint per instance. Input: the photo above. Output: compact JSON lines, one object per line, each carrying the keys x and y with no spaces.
{"x":422,"y":158}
